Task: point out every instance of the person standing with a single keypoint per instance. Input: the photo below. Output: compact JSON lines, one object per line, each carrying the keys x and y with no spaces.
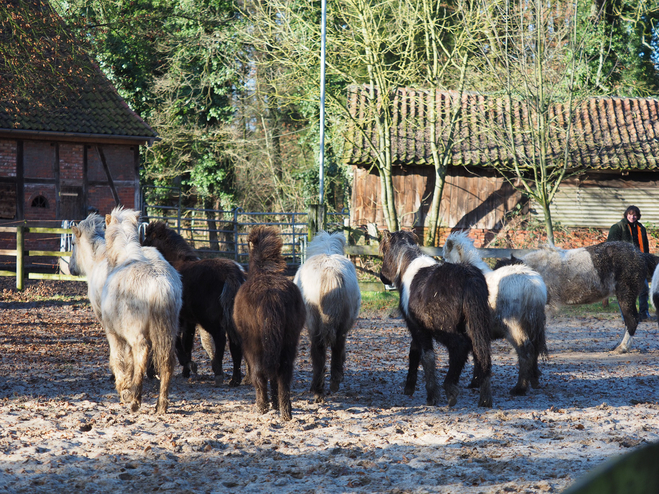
{"x":629,"y":229}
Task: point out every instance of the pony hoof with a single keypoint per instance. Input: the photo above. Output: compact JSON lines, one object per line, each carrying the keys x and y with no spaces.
{"x":334,"y":386}
{"x":319,"y":398}
{"x":620,"y":349}
{"x":518,"y":391}
{"x":432,"y":401}
{"x":234,"y":383}
{"x":474,"y":384}
{"x":218,"y":381}
{"x":409,"y":390}
{"x":161,"y":408}
{"x":193,"y":367}
{"x":485,"y":402}
{"x":185,"y":372}
{"x":134,"y":406}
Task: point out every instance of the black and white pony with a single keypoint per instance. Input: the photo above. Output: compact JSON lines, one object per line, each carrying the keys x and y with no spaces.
{"x":517,"y":297}
{"x":444,"y":302}
{"x":328,"y":282}
{"x":590,"y":274}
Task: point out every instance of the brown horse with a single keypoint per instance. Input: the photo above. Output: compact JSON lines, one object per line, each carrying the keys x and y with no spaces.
{"x":209,"y":290}
{"x":269,"y":314}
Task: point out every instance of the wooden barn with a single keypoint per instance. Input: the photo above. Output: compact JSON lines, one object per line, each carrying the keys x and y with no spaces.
{"x":615,"y":160}
{"x":69,"y":144}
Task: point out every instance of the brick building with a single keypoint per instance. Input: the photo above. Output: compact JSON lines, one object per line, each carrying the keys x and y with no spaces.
{"x":69,"y":143}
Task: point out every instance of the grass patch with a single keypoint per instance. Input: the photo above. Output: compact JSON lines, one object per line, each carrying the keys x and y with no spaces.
{"x":376,"y":301}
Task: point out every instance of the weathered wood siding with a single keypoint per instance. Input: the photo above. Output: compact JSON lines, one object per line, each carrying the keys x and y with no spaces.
{"x":469,"y":201}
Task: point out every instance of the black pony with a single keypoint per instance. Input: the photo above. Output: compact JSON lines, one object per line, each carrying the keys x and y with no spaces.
{"x":209,"y":290}
{"x":269,"y":314}
{"x":590,"y":274}
{"x":445,"y":302}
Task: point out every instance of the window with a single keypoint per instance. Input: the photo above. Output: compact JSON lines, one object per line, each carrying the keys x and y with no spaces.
{"x":40,"y":202}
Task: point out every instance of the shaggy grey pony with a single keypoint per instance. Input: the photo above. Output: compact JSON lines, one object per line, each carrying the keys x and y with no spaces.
{"x":590,"y":274}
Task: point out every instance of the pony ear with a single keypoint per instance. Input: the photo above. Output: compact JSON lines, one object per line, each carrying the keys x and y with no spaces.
{"x":76,"y":231}
{"x":448,"y":245}
{"x":386,"y":235}
{"x":108,"y":219}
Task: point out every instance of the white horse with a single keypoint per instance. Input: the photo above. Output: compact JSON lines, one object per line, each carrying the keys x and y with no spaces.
{"x":517,"y":297}
{"x":140,"y":307}
{"x":328,"y":282}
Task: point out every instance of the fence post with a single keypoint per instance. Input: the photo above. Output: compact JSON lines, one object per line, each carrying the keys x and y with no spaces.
{"x":235,"y":233}
{"x":316,"y":219}
{"x":20,"y":248}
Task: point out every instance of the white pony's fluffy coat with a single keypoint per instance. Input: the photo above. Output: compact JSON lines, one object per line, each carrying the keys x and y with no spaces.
{"x":517,"y":296}
{"x":140,"y":307}
{"x":328,"y":282}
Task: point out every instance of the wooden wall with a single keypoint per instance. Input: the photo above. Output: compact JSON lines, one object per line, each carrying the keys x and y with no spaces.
{"x":469,"y":200}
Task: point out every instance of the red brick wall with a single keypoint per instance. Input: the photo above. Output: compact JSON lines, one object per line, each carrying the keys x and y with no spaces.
{"x":38,"y":159}
{"x":71,"y":163}
{"x":101,"y":198}
{"x":7,"y":158}
{"x":524,"y":239}
{"x":39,"y":214}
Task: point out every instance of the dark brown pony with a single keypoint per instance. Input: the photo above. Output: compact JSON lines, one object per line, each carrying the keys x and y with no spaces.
{"x":209,"y":290}
{"x":269,"y":315}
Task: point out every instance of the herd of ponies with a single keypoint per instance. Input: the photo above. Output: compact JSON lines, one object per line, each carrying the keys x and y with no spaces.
{"x":150,"y":295}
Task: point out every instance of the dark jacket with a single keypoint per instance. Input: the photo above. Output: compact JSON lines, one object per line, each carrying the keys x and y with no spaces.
{"x":622,"y":231}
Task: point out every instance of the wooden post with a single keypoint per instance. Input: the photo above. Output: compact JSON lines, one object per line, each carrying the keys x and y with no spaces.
{"x":316,"y":220}
{"x":20,"y":248}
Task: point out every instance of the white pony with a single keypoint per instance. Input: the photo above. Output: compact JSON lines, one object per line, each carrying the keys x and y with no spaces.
{"x":328,"y":282}
{"x":88,"y":258}
{"x":140,"y":306}
{"x":517,"y":297}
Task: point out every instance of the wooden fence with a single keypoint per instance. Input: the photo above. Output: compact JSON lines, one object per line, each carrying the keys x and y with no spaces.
{"x":21,"y":254}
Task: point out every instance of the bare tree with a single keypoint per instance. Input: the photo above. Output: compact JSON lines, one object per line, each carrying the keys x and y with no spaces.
{"x":534,"y":52}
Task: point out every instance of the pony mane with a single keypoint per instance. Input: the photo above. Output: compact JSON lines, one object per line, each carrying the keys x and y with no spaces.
{"x":122,"y":240}
{"x":460,"y":248}
{"x":326,"y":243}
{"x":171,"y":245}
{"x":93,"y":229}
{"x":265,"y":250}
{"x":402,"y":248}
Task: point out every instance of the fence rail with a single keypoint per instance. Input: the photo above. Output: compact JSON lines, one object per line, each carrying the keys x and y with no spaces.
{"x":203,"y":237}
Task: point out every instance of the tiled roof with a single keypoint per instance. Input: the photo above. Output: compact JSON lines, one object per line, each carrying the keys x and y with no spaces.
{"x":48,"y":84}
{"x":608,"y":133}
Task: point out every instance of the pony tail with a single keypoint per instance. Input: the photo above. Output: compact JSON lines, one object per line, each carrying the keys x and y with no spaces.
{"x":272,"y":341}
{"x":478,"y":319}
{"x":163,"y":329}
{"x":227,"y":298}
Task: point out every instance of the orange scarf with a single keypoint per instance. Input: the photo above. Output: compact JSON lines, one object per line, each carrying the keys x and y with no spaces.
{"x":638,"y":236}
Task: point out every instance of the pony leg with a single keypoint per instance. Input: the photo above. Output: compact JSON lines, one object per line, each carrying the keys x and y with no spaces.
{"x":261,"y":387}
{"x":458,"y":352}
{"x":483,"y":364}
{"x":318,"y":350}
{"x":220,"y":340}
{"x":183,"y":347}
{"x":526,"y":367}
{"x":338,"y":361}
{"x":166,"y":371}
{"x":630,"y":316}
{"x":274,"y":393}
{"x":140,"y":355}
{"x":284,"y":378}
{"x":413,"y":369}
{"x":237,"y":358}
{"x":118,"y":362}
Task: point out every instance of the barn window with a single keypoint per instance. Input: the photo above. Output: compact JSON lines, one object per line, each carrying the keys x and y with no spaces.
{"x":40,"y":202}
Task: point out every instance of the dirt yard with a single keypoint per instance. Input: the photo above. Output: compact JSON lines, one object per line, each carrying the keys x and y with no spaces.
{"x":62,"y":428}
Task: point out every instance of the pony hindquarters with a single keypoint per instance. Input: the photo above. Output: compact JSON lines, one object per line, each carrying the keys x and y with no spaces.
{"x":332,"y":298}
{"x":518,"y":297}
{"x":269,"y":314}
{"x":140,"y":307}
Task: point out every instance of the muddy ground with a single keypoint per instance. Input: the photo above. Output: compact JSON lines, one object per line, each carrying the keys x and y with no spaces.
{"x":62,"y":427}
